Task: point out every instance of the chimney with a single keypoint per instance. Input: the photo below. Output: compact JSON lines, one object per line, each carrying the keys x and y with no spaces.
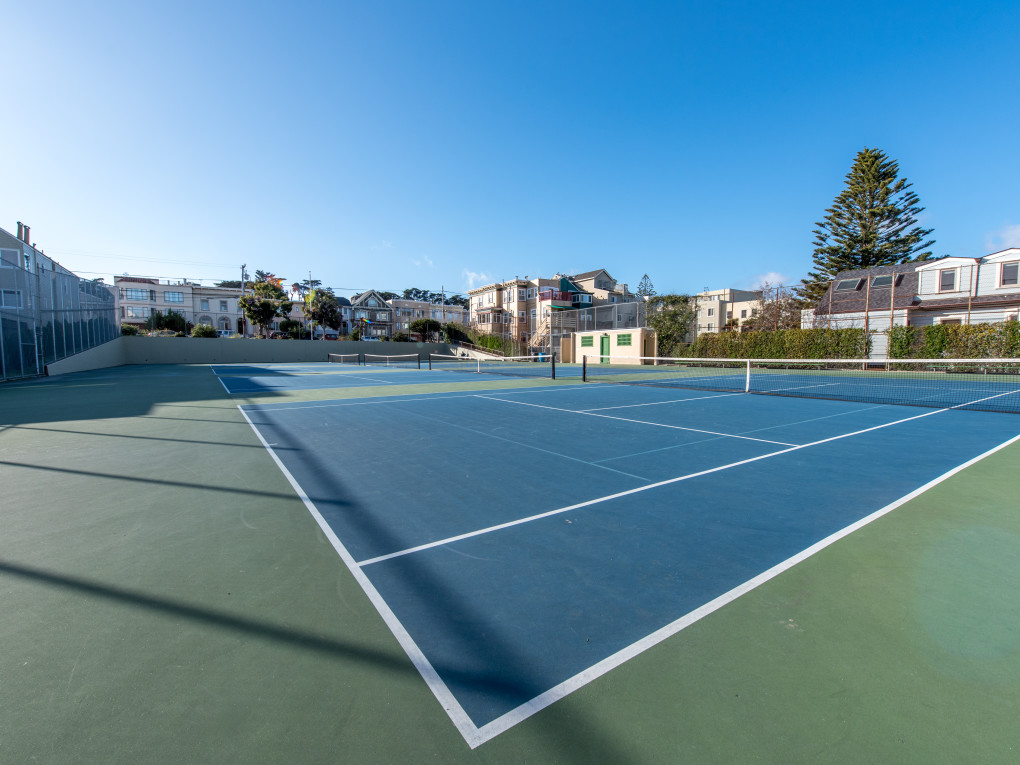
{"x":21,"y":231}
{"x":26,"y":239}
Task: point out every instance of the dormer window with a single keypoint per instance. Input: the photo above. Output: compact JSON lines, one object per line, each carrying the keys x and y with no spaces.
{"x":882,"y":281}
{"x":947,"y":280}
{"x":1010,"y":274}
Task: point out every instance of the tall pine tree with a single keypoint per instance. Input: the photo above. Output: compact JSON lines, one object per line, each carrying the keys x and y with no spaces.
{"x":873,"y":222}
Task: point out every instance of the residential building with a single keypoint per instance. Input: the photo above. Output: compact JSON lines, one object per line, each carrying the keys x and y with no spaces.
{"x":138,"y":298}
{"x":372,"y":315}
{"x":951,"y":290}
{"x":407,"y":311}
{"x":522,"y":309}
{"x":719,"y":310}
{"x":46,"y":312}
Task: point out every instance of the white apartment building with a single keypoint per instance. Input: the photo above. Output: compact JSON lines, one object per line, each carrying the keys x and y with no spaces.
{"x":718,"y":310}
{"x":139,"y":297}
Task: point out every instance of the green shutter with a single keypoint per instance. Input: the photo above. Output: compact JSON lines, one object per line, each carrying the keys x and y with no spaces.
{"x":623,"y":339}
{"x":587,"y":341}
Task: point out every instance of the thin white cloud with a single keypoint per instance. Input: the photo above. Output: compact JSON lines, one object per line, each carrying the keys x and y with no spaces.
{"x":382,"y":244}
{"x":772,"y":278}
{"x":424,"y":260}
{"x":1006,"y":237}
{"x":476,"y":278}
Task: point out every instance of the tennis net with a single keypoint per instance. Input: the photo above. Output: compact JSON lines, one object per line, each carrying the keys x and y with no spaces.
{"x":407,"y":360}
{"x":512,"y":366}
{"x":342,"y":358}
{"x":983,"y":384}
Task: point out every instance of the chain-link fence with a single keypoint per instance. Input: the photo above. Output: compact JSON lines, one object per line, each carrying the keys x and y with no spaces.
{"x":47,"y":312}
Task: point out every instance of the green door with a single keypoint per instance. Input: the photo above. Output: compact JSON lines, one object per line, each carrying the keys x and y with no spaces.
{"x":604,"y":349}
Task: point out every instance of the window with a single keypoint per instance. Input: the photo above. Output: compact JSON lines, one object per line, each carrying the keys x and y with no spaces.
{"x":372,"y":302}
{"x":1012,"y":316}
{"x":754,"y":311}
{"x":847,"y":284}
{"x":587,"y":341}
{"x":204,"y":306}
{"x":1010,"y":274}
{"x":520,"y":315}
{"x":949,"y":321}
{"x":947,"y":280}
{"x":173,"y":297}
{"x":130,"y":293}
{"x":10,"y":299}
{"x":522,"y":294}
{"x":9,"y":257}
{"x":136,"y":312}
{"x":223,"y":305}
{"x":492,"y":298}
{"x":711,"y":326}
{"x":729,"y":314}
{"x":623,"y":339}
{"x":532,"y":292}
{"x":711,"y":312}
{"x":882,"y":281}
{"x":743,"y":313}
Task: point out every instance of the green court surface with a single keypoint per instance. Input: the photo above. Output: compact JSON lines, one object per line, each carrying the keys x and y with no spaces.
{"x":167,"y":597}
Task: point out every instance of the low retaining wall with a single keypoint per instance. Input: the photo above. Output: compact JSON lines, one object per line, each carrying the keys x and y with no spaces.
{"x":221,"y":350}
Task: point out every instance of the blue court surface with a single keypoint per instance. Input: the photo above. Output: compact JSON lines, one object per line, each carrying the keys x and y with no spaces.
{"x":520,"y":543}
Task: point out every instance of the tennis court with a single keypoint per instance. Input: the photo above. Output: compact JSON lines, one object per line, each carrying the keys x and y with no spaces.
{"x":550,"y":568}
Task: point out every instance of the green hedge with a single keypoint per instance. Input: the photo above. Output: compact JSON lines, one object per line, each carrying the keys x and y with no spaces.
{"x":783,"y":344}
{"x":956,"y":341}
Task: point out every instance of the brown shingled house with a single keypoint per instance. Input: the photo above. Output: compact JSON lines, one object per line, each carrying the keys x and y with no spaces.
{"x":945,"y":291}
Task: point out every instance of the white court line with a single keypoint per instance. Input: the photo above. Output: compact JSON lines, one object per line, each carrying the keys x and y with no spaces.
{"x":475,"y":736}
{"x":491,"y":436}
{"x":658,"y":403}
{"x":540,"y":702}
{"x":638,"y":490}
{"x":638,"y":422}
{"x":448,"y":701}
{"x":395,"y":400}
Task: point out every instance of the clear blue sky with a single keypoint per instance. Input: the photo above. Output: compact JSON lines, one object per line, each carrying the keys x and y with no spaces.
{"x":448,"y":143}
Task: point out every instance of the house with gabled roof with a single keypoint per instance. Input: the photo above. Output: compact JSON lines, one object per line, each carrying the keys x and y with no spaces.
{"x":372,"y":315}
{"x":950,"y":290}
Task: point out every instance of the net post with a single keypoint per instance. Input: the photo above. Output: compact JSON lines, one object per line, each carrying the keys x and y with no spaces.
{"x":430,"y":362}
{"x":747,"y":378}
{"x":419,"y":361}
{"x":361,"y":360}
{"x":552,"y":363}
{"x":584,"y":368}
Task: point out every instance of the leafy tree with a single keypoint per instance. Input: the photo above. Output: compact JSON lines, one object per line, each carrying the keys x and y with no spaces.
{"x":671,"y":316}
{"x":266,"y":302}
{"x":645,"y":287}
{"x":387,"y":295}
{"x":128,"y":329}
{"x":400,"y":337}
{"x":428,"y":329}
{"x":232,"y":283}
{"x":203,"y":330}
{"x":293,"y":329}
{"x":306,"y":286}
{"x":452,"y":332}
{"x":322,"y":306}
{"x":460,"y":300}
{"x":872,"y":222}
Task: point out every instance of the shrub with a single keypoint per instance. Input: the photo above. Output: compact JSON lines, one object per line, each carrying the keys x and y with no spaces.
{"x":128,"y":329}
{"x":203,"y":330}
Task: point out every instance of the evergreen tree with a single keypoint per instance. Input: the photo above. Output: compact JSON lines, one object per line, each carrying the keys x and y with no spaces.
{"x":872,"y":222}
{"x":645,"y":287}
